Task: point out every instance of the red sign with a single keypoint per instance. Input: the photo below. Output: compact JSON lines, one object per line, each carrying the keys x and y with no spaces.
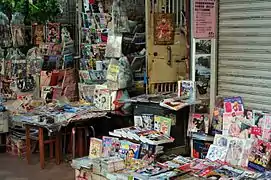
{"x":204,"y":21}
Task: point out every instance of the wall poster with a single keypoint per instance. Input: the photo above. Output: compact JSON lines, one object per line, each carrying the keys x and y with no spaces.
{"x":203,"y":74}
{"x":204,"y":21}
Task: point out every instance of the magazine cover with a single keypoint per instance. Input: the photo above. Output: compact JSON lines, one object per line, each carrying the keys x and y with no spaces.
{"x":248,"y":114}
{"x":144,"y":121}
{"x":133,"y":152}
{"x":47,"y":93}
{"x":53,"y":32}
{"x":95,"y":148}
{"x":102,"y":97}
{"x":217,"y":153}
{"x":217,"y":120}
{"x":235,"y":125}
{"x":199,"y":123}
{"x":109,"y":146}
{"x":222,"y":140}
{"x":266,"y":130}
{"x":200,"y":148}
{"x":45,"y":78}
{"x":188,"y":89}
{"x":84,"y":76}
{"x":162,"y":124}
{"x":259,"y":123}
{"x":233,"y":104}
{"x":38,"y":34}
{"x":124,"y":148}
{"x":147,"y":152}
{"x":247,"y":151}
{"x":260,"y":155}
{"x":235,"y":151}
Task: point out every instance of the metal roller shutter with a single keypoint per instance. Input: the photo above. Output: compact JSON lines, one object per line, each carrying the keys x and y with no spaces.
{"x":244,"y":51}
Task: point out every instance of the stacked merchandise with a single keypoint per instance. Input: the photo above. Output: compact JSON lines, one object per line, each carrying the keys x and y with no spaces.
{"x":104,"y":72}
{"x":148,"y":128}
{"x":173,"y":168}
{"x":242,"y":136}
{"x":46,"y":70}
{"x":57,"y":75}
{"x":95,"y":27}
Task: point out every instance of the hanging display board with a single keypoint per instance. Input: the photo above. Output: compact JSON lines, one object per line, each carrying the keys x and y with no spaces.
{"x":204,"y":21}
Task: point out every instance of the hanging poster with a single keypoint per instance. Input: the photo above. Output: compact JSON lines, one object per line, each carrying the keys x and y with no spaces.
{"x":203,"y":73}
{"x":163,"y":29}
{"x":204,"y":19}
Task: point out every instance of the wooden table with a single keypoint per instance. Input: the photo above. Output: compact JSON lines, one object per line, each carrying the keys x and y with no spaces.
{"x":53,"y":140}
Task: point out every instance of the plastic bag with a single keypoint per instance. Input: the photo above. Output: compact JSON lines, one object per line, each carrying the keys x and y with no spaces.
{"x":5,"y":35}
{"x":113,"y":46}
{"x":119,"y":17}
{"x":119,"y":74}
{"x":15,"y":63}
{"x":34,"y":61}
{"x":17,"y":29}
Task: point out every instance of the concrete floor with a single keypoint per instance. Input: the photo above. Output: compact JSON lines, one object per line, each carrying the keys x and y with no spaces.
{"x":13,"y":168}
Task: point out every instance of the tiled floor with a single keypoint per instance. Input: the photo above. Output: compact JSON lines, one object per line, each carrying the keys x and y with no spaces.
{"x":13,"y":168}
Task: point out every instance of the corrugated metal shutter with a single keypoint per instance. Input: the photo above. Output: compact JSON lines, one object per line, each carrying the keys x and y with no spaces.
{"x":244,"y":51}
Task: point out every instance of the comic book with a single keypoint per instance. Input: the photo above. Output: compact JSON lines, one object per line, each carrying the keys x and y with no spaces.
{"x":188,"y":89}
{"x":235,"y":151}
{"x":247,"y":150}
{"x":162,"y":124}
{"x":233,"y":104}
{"x":109,"y":146}
{"x":217,"y":153}
{"x":259,"y":156}
{"x":199,"y":123}
{"x":144,"y":121}
{"x":95,"y":148}
{"x":124,"y":148}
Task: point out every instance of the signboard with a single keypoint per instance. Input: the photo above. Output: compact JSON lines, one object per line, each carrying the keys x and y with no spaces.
{"x":204,"y":19}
